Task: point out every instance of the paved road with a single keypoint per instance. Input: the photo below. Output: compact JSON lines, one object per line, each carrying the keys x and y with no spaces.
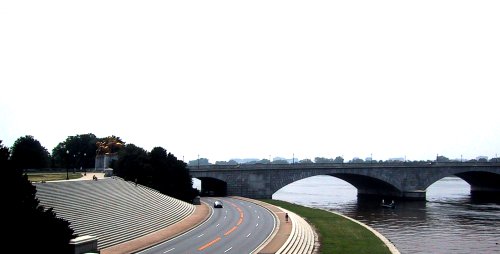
{"x":238,"y":227}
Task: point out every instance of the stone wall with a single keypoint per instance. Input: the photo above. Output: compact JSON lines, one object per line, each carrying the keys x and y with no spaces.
{"x":103,"y":161}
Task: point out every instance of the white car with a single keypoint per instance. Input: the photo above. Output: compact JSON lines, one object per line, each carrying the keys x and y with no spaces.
{"x":218,"y":204}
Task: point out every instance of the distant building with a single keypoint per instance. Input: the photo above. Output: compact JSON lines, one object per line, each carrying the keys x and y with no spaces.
{"x":399,"y":159}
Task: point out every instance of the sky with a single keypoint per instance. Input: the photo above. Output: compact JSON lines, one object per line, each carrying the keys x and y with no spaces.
{"x":256,"y":79}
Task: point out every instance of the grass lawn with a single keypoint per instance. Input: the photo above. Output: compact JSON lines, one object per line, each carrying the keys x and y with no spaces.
{"x":336,"y":234}
{"x":37,"y":177}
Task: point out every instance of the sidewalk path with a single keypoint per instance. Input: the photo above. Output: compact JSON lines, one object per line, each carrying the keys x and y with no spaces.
{"x":280,"y":234}
{"x":90,"y":175}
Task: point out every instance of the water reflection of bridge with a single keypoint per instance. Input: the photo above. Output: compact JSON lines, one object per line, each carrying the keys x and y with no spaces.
{"x":403,"y":180}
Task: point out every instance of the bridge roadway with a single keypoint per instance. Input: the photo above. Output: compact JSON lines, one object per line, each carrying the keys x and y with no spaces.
{"x":238,"y":227}
{"x":397,"y":180}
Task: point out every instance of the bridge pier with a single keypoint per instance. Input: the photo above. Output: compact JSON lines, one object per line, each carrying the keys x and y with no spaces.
{"x":417,"y":195}
{"x":485,"y":193}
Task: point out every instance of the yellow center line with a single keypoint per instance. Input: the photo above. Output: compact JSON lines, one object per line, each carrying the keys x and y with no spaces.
{"x":230,"y":231}
{"x":209,"y":244}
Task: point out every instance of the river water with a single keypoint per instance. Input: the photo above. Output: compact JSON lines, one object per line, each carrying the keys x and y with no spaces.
{"x":449,"y":222}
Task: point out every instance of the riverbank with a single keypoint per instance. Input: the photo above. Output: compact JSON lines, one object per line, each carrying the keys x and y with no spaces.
{"x":338,"y":234}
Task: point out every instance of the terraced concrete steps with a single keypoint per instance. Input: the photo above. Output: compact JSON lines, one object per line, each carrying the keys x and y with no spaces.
{"x":111,"y":209}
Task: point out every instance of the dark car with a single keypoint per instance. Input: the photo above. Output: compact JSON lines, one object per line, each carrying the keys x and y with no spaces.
{"x":218,"y":204}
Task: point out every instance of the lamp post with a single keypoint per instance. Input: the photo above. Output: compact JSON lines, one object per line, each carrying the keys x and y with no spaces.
{"x":84,"y":168}
{"x":67,"y":166}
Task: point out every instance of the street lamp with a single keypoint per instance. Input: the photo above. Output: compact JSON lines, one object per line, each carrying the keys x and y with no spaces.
{"x":67,"y":166}
{"x":84,"y":160}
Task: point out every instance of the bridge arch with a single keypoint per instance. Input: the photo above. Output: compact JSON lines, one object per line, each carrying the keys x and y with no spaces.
{"x":483,"y":182}
{"x":366,"y":185}
{"x":211,"y":186}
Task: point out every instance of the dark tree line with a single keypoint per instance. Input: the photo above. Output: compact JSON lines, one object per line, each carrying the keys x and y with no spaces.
{"x":77,"y":151}
{"x":27,"y":153}
{"x":25,"y":220}
{"x":156,"y":169}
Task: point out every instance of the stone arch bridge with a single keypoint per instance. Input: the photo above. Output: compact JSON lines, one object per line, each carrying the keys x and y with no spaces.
{"x":398,"y":180}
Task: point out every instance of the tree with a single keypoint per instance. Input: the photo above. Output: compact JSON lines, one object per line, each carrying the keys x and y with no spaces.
{"x":28,"y":153}
{"x":322,"y":160}
{"x":109,"y":145}
{"x":132,"y":164}
{"x":338,"y":159}
{"x":282,"y":161}
{"x":171,"y":176}
{"x":356,"y":160}
{"x":231,"y":162}
{"x":4,"y":155}
{"x":264,"y":161}
{"x":158,"y":169}
{"x":441,"y":158}
{"x":306,"y":161}
{"x":41,"y":229}
{"x":181,"y":182}
{"x":76,"y":151}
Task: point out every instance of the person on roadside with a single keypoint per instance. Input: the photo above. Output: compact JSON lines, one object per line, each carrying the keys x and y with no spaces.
{"x":286,"y":217}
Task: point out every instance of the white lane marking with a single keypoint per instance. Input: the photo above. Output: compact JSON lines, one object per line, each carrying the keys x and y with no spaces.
{"x":187,"y":232}
{"x":255,"y":210}
{"x":217,"y":225}
{"x":169,"y":250}
{"x":228,"y":250}
{"x":249,"y":235}
{"x":225,"y":217}
{"x":257,"y":225}
{"x":200,"y":235}
{"x":258,"y":217}
{"x":226,"y":211}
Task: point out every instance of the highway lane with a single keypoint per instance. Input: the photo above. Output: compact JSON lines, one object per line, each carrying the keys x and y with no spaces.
{"x":238,"y":227}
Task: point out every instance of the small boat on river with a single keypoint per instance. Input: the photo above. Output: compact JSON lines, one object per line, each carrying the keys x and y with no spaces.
{"x":391,"y":205}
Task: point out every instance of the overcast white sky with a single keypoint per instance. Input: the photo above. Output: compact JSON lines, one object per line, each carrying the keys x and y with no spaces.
{"x":256,"y":79}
